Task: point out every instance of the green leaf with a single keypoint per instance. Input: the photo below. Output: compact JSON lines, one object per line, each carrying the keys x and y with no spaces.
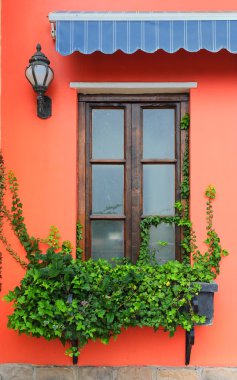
{"x":109,"y":317}
{"x":61,"y":305}
{"x":105,"y":340}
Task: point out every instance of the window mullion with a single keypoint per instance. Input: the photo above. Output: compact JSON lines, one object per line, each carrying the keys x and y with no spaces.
{"x":177,"y":177}
{"x":128,"y":179}
{"x":136,"y":180}
{"x":88,"y":182}
{"x":184,"y":135}
{"x":81,"y":170}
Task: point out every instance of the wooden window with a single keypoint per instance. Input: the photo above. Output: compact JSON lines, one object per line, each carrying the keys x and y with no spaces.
{"x":129,"y":167}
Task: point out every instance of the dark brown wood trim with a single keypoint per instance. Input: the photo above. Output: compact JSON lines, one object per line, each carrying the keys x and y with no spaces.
{"x":132,"y":161}
{"x":136,"y":180}
{"x":177,"y":177}
{"x":107,"y":161}
{"x":81,"y":172}
{"x":143,"y":216}
{"x":158,"y":161}
{"x":106,"y":217}
{"x":88,"y":181}
{"x":128,"y":180}
{"x":112,"y":98}
{"x":183,"y":135}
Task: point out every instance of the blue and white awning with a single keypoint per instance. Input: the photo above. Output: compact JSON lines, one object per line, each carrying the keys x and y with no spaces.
{"x":109,"y":32}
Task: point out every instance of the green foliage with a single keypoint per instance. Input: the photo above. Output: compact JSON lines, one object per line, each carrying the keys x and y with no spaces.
{"x":210,"y":261}
{"x":185,"y":192}
{"x":52,"y":240}
{"x":185,"y":121}
{"x":74,"y":300}
{"x":30,"y":244}
{"x":79,"y":237}
{"x":5,"y":214}
{"x":71,"y":299}
{"x":210,"y":192}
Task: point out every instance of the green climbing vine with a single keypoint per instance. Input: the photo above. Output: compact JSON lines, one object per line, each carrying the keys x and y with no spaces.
{"x":53,"y":239}
{"x":185,"y":122}
{"x":185,"y":191}
{"x":79,"y":237}
{"x":185,"y":186}
{"x":5,"y":214}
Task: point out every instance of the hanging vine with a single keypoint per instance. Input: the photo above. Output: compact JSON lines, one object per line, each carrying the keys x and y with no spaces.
{"x":5,"y":214}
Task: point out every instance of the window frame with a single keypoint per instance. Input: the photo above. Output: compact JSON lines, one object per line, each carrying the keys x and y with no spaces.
{"x":134,"y":104}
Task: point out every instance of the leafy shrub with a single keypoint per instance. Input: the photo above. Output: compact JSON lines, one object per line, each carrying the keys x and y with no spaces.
{"x":74,"y":300}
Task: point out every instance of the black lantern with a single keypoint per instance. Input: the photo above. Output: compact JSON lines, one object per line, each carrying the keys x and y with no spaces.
{"x":40,"y":75}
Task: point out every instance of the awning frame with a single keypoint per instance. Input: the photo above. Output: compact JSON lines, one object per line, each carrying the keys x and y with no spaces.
{"x":142,"y":16}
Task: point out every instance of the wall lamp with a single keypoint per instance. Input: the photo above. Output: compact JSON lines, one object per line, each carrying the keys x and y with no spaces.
{"x":40,"y":75}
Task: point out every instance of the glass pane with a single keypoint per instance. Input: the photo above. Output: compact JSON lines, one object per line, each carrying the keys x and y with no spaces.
{"x":158,"y":189}
{"x":107,"y":239}
{"x":107,"y":133}
{"x":107,"y":189}
{"x":158,"y":133}
{"x":159,"y":236}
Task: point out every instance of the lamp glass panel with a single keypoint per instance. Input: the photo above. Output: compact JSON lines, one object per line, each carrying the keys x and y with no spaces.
{"x":29,"y":75}
{"x":40,"y":73}
{"x":50,"y":77}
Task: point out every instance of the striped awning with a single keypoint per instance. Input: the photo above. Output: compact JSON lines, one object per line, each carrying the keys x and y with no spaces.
{"x":109,"y":32}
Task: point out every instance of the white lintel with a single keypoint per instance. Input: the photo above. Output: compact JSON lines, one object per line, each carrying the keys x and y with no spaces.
{"x":141,"y":16}
{"x":132,"y":87}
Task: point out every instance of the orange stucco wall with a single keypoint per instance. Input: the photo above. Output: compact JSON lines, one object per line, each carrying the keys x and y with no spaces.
{"x":43,"y":155}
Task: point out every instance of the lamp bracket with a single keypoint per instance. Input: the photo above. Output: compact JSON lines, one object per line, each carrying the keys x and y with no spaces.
{"x":44,"y":106}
